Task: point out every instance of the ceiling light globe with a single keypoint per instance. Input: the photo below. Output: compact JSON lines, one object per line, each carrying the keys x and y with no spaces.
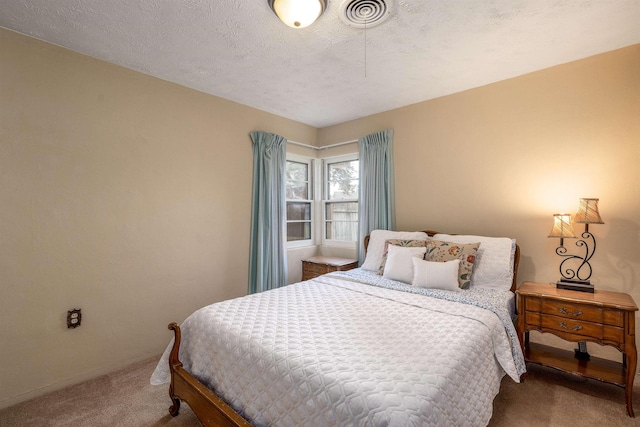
{"x":298,"y":13}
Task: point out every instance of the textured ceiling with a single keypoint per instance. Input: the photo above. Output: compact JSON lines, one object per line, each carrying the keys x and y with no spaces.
{"x":323,"y":75}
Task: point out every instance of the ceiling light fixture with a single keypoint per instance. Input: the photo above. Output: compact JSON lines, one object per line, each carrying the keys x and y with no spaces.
{"x":298,"y":13}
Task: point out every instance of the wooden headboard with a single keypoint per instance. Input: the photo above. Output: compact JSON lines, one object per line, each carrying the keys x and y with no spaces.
{"x":516,"y":258}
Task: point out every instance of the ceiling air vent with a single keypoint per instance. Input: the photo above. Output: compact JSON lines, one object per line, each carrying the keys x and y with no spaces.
{"x":365,"y":13}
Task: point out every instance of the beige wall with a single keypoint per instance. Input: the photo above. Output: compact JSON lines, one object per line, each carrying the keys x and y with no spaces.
{"x":121,"y":194}
{"x":116,"y":194}
{"x":501,"y":159}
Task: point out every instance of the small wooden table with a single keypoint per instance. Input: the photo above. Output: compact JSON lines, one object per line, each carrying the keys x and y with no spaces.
{"x":318,"y":265}
{"x":603,"y":317}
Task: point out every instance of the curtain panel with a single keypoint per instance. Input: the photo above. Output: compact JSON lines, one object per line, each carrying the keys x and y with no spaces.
{"x":376,"y":208}
{"x":268,"y":255}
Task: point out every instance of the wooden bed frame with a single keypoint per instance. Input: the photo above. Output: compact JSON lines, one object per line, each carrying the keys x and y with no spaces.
{"x":210,"y":409}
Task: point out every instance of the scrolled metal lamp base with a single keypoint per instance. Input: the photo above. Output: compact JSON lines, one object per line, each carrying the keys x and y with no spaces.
{"x":577,"y":279}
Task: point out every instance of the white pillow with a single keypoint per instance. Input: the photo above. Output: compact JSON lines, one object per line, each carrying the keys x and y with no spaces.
{"x":493,"y":267}
{"x":399,"y":264}
{"x":438,"y":275}
{"x":375,"y":250}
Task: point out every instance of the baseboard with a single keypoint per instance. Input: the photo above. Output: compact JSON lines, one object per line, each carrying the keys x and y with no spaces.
{"x":85,"y":376}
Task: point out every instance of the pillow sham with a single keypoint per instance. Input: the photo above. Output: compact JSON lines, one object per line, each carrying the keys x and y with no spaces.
{"x":493,"y":267}
{"x":373,"y":259}
{"x":436,"y":275}
{"x":440,"y":251}
{"x":399,"y":242}
{"x":399,"y":262}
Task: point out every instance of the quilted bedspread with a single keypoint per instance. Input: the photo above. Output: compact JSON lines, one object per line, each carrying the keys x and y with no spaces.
{"x":334,"y":351}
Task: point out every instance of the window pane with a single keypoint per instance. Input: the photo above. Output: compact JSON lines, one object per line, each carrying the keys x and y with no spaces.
{"x":342,"y":221}
{"x":297,"y":191}
{"x":343,"y":180}
{"x":340,"y":170}
{"x":298,"y":231}
{"x":297,"y":171}
{"x":338,"y":230}
{"x":298,"y":211}
{"x":341,"y":211}
{"x":297,"y":180}
{"x":343,"y":190}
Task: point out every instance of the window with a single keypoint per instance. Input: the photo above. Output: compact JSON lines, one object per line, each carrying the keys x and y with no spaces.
{"x":322,"y":201}
{"x":299,"y":172}
{"x":341,"y":185}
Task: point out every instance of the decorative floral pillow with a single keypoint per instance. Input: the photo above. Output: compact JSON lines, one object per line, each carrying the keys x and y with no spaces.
{"x":399,"y":242}
{"x":440,"y":251}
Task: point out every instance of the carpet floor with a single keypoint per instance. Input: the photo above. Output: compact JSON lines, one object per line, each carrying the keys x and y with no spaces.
{"x":125,"y":398}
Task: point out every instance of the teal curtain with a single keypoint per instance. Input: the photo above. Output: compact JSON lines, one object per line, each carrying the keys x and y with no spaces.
{"x":376,"y":205}
{"x":268,"y":256}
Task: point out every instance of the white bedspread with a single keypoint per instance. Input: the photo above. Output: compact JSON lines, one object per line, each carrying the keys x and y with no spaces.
{"x":331,"y":351}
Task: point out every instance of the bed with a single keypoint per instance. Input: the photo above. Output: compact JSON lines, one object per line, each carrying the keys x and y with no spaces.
{"x":361,"y":347}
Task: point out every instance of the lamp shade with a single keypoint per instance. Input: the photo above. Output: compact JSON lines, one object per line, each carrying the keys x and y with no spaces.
{"x":562,"y":226}
{"x":588,"y":212}
{"x":298,"y":13}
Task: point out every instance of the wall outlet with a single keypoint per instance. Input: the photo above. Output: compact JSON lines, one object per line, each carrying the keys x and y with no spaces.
{"x":74,"y":317}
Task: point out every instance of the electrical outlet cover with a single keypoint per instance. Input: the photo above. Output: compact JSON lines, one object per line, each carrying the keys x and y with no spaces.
{"x":74,"y":317}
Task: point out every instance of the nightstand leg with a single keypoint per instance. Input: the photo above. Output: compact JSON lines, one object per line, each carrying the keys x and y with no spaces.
{"x":632,"y":359}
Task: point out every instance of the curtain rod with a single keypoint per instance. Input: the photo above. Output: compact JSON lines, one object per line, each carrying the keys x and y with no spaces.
{"x":323,"y":147}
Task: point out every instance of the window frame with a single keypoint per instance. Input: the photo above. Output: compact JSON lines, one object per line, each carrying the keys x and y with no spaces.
{"x":310,"y":162}
{"x":325,"y":200}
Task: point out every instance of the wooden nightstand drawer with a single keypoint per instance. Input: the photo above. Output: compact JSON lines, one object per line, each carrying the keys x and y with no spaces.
{"x":589,"y":330}
{"x":310,"y":267}
{"x":319,"y":265}
{"x":584,"y":312}
{"x":576,"y":311}
{"x":572,"y":311}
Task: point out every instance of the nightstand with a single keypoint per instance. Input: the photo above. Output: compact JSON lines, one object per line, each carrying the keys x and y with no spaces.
{"x":318,"y":265}
{"x":603,"y":317}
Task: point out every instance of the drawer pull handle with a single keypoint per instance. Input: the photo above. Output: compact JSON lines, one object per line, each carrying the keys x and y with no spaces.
{"x":564,"y":326}
{"x":564,"y":311}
